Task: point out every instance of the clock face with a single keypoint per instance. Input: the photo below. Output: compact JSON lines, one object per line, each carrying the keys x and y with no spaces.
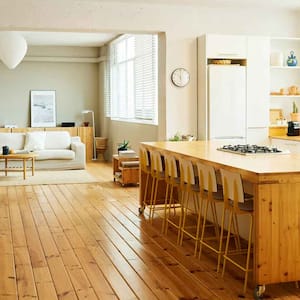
{"x":180,"y":77}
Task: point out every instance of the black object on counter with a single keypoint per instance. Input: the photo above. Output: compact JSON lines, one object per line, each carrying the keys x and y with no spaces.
{"x":5,"y":150}
{"x":293,"y":128}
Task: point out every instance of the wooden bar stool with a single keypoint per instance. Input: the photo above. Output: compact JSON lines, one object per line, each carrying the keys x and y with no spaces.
{"x":236,"y":202}
{"x":158,"y":176}
{"x":190,"y":191}
{"x":212,"y":194}
{"x":146,"y":170}
{"x":172,"y":178}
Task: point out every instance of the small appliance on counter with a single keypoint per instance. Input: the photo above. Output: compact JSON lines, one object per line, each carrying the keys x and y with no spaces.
{"x":293,"y":128}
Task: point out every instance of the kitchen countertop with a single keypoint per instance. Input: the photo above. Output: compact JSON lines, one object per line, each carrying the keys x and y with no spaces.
{"x":285,"y":137}
{"x":258,"y":164}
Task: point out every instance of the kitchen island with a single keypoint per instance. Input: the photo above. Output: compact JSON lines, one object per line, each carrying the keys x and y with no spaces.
{"x":275,"y":181}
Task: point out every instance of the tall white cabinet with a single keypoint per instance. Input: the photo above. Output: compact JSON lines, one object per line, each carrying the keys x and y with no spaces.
{"x":254,"y":53}
{"x":258,"y":82}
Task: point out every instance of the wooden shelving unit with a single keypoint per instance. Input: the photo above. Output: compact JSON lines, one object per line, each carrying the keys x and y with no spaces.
{"x":126,"y":169}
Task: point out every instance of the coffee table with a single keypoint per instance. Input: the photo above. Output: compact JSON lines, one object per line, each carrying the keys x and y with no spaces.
{"x":25,"y":157}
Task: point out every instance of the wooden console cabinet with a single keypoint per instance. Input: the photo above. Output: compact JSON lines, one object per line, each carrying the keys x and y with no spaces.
{"x":126,"y":169}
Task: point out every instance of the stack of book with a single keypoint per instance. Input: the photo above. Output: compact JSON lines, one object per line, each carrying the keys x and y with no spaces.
{"x":127,"y":153}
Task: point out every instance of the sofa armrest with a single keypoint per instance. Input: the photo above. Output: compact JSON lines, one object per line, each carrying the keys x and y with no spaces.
{"x":75,"y":139}
{"x":79,"y":149}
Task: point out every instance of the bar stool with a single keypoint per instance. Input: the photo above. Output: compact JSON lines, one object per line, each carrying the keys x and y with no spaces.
{"x":236,"y":202}
{"x":172,"y":178}
{"x":146,"y":169}
{"x":212,"y":194}
{"x":158,"y":176}
{"x":190,"y":190}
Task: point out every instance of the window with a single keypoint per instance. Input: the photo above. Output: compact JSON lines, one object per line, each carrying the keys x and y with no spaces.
{"x":131,"y":79}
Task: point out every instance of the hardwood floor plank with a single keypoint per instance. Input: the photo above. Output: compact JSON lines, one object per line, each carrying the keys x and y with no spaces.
{"x":88,"y":241}
{"x":25,"y":278}
{"x":128,"y":253}
{"x":44,"y":284}
{"x":99,"y":282}
{"x":8,"y":286}
{"x":102,"y":288}
{"x":35,"y":249}
{"x":53,"y":248}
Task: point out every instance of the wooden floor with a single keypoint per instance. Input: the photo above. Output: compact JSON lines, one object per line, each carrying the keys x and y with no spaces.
{"x":87,"y":241}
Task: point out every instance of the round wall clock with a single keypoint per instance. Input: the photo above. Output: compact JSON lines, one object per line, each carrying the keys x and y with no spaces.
{"x":180,"y":77}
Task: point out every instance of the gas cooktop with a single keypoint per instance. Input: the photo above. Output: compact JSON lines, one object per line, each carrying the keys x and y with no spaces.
{"x":252,"y":149}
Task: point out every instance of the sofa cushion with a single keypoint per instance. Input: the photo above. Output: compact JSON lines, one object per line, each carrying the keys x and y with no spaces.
{"x":35,"y":141}
{"x":12,"y":140}
{"x":55,"y":154}
{"x":57,"y":140}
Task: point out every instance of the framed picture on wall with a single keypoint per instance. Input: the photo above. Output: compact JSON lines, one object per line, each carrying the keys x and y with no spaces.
{"x":43,"y":112}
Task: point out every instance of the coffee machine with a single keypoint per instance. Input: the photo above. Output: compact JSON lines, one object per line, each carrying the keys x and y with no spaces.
{"x":293,"y":128}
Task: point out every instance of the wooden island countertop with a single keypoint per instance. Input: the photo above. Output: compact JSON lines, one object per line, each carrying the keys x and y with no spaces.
{"x":276,"y":188}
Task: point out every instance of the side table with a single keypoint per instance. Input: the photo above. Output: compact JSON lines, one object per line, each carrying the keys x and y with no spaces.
{"x":126,"y":169}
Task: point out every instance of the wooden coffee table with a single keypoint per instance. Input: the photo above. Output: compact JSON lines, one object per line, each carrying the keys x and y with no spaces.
{"x":23,"y":157}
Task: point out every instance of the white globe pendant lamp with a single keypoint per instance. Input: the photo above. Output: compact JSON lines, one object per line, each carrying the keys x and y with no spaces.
{"x":13,"y":48}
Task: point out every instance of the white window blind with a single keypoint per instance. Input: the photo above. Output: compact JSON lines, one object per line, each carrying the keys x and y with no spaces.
{"x":133,"y":79}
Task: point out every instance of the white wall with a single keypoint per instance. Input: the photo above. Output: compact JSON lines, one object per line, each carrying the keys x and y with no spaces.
{"x":76,"y":86}
{"x":182,"y":24}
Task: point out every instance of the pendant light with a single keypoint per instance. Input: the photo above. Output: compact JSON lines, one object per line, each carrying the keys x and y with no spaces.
{"x":13,"y":48}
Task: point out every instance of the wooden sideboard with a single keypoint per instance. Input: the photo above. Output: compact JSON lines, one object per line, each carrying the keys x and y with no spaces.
{"x":85,"y":134}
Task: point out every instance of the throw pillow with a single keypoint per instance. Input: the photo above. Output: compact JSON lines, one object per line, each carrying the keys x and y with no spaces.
{"x":35,"y":141}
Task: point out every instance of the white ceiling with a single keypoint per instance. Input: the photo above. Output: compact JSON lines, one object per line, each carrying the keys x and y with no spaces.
{"x":39,"y":38}
{"x":98,"y":39}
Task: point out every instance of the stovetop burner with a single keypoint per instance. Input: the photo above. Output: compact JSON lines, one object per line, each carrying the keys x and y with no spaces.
{"x":250,"y":149}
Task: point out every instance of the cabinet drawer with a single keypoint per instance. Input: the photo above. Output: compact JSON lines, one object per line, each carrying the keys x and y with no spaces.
{"x":226,"y":46}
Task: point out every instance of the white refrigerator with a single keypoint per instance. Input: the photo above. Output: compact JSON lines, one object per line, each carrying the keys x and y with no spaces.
{"x":227,"y":102}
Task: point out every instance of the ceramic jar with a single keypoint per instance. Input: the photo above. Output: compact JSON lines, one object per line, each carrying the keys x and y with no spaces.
{"x":292,"y":60}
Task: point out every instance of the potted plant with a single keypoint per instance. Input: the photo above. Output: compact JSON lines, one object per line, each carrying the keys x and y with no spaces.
{"x":123,"y":146}
{"x":295,"y":115}
{"x":176,"y":137}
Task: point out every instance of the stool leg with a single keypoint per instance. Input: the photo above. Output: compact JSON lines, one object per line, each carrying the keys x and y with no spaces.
{"x":227,"y":241}
{"x":165,"y":208}
{"x":146,"y":190}
{"x":236,"y":233}
{"x":221,"y":239}
{"x":151,"y":198}
{"x":184,"y":213}
{"x":215,"y":218}
{"x":248,"y":253}
{"x":198,"y":225}
{"x":203,"y":227}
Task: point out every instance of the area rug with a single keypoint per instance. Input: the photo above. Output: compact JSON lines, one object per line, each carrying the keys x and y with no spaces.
{"x":47,"y":177}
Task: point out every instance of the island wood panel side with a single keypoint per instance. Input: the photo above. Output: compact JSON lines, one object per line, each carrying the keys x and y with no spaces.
{"x":277,"y":238}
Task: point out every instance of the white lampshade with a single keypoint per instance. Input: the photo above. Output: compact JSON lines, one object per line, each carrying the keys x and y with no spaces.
{"x":86,"y":111}
{"x":13,"y":48}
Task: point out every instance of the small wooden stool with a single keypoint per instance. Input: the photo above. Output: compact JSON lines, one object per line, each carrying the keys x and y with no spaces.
{"x":101,"y":146}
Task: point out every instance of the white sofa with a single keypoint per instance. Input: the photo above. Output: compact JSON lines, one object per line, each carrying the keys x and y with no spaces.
{"x":55,"y":149}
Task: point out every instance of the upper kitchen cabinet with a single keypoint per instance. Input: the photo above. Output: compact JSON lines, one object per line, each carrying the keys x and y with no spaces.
{"x":226,"y":46}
